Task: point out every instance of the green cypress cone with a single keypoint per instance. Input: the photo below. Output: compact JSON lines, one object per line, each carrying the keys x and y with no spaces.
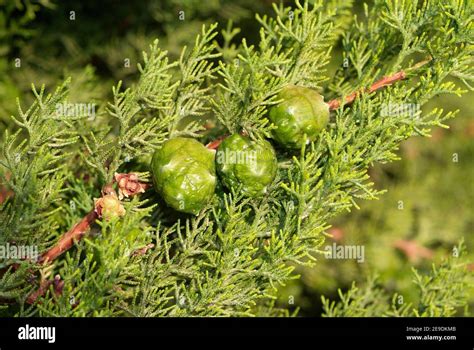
{"x":184,"y":174}
{"x":247,"y":163}
{"x":302,"y":112}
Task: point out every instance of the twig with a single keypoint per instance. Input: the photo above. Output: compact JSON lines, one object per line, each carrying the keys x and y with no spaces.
{"x":58,"y":286}
{"x":67,"y":240}
{"x":128,"y":185}
{"x":216,"y":143}
{"x":43,"y":288}
{"x":384,"y":82}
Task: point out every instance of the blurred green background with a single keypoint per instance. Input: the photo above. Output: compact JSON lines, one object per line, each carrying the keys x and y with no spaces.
{"x":427,"y":209}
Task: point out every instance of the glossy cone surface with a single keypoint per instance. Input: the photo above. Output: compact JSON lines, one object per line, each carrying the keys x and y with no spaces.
{"x":184,"y":174}
{"x":247,"y":163}
{"x":302,"y":112}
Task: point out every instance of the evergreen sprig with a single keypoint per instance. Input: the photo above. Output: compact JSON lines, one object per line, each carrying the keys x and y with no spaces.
{"x":34,"y":156}
{"x":151,"y":111}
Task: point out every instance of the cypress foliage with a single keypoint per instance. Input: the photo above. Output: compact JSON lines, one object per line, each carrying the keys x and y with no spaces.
{"x":233,"y":256}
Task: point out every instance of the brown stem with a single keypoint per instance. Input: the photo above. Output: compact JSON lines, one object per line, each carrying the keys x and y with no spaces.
{"x":128,"y":184}
{"x":57,"y":284}
{"x":384,"y":82}
{"x":67,"y":240}
{"x":215,"y":143}
{"x":43,"y":288}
